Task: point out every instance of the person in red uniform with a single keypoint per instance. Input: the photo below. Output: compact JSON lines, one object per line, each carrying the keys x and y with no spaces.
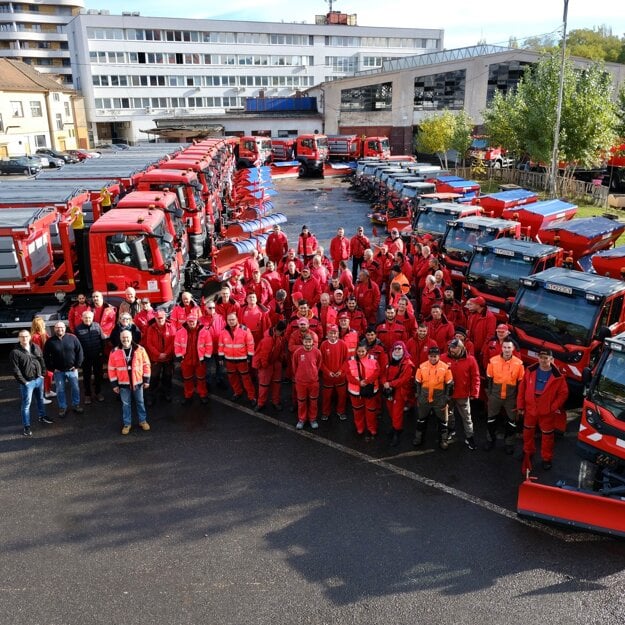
{"x":333,"y":358}
{"x":320,"y":272}
{"x":419,"y":344}
{"x":390,"y":331}
{"x":452,"y":308}
{"x":160,"y":336}
{"x":277,"y":244}
{"x":430,"y":295}
{"x":254,"y":318}
{"x":306,"y":364}
{"x":397,"y":383}
{"x":357,"y":246}
{"x":466,"y":375}
{"x":368,"y":296}
{"x":373,"y":268}
{"x":260,"y":287}
{"x":493,"y":346}
{"x":275,"y":279}
{"x":361,"y":370}
{"x":143,"y":317}
{"x":347,"y":334}
{"x":236,"y":349}
{"x":308,"y":286}
{"x":481,"y":323}
{"x":540,"y":401}
{"x":439,"y":327}
{"x":290,"y":256}
{"x":250,"y":265}
{"x":225,"y":303}
{"x":214,"y":323}
{"x":74,"y":316}
{"x":405,"y":315}
{"x":268,"y":361}
{"x":357,"y":319}
{"x":339,"y":248}
{"x":276,"y":308}
{"x":237,"y":290}
{"x":183,"y":309}
{"x":190,"y":355}
{"x":394,"y":242}
{"x":307,"y":245}
{"x":346,"y":278}
{"x":103,"y":313}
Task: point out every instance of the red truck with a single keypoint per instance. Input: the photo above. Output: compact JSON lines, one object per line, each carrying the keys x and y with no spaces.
{"x":353,"y":147}
{"x":253,"y":151}
{"x":311,"y":151}
{"x":494,"y":157}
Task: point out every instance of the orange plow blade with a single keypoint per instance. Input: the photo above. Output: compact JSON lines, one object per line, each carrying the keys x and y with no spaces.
{"x":572,"y":507}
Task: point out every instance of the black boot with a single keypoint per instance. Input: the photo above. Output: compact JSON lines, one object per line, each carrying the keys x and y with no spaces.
{"x":395,"y":438}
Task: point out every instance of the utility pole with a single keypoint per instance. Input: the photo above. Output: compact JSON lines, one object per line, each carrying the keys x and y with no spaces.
{"x":553,"y":186}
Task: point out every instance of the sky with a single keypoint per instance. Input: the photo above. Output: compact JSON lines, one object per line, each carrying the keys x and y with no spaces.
{"x":465,"y":22}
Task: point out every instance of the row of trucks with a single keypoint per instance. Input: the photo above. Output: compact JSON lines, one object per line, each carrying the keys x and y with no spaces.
{"x":557,"y":280}
{"x":159,"y":220}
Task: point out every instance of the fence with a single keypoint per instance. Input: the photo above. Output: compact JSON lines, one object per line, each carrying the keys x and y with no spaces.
{"x":581,"y":192}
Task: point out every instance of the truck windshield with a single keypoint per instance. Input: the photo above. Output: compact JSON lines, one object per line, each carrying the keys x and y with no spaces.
{"x":609,"y":390}
{"x":462,"y":240}
{"x":434,"y":223}
{"x":322,"y":142}
{"x":498,"y":275}
{"x":385,"y":145}
{"x":552,"y":316}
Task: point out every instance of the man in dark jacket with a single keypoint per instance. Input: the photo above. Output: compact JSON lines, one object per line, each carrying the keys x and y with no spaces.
{"x":29,"y":369}
{"x":91,"y":338}
{"x":125,"y":323}
{"x":63,"y":356}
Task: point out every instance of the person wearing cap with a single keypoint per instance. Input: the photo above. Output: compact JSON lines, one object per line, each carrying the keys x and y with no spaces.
{"x":461,"y":334}
{"x":481,"y":322}
{"x":254,"y":317}
{"x":268,"y":360}
{"x":193,"y":344}
{"x":347,"y":334}
{"x":276,"y":307}
{"x":306,"y":245}
{"x":361,"y":370}
{"x":91,"y":338}
{"x":334,"y":355}
{"x":143,"y":317}
{"x":308,"y":286}
{"x":493,"y":346}
{"x":540,"y":402}
{"x":466,"y":375}
{"x":125,"y":323}
{"x":183,"y":308}
{"x":237,"y":290}
{"x":357,"y":246}
{"x":129,"y":372}
{"x":435,"y":384}
{"x":303,"y":311}
{"x":357,"y":319}
{"x":368,"y":296}
{"x":390,"y":330}
{"x":159,"y":344}
{"x":306,"y":363}
{"x":296,"y":336}
{"x":339,"y":248}
{"x":452,"y":308}
{"x":260,"y":287}
{"x":397,"y":385}
{"x":439,"y":327}
{"x":129,"y":304}
{"x":375,"y":348}
{"x":225,"y":303}
{"x":277,"y":244}
{"x":236,"y":349}
{"x":338,"y":301}
{"x":503,"y":376}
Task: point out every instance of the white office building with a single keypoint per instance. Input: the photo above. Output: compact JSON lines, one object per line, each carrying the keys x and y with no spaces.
{"x":133,"y":70}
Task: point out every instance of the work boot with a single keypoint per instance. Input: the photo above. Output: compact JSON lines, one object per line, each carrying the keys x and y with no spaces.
{"x":470,"y":443}
{"x":443,"y":444}
{"x":395,"y":438}
{"x":418,"y":438}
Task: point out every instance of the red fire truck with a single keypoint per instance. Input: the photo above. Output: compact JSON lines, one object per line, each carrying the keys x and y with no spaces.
{"x":253,"y":151}
{"x":353,"y":147}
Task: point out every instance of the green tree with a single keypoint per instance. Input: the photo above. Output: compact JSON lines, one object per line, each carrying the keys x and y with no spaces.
{"x":463,"y":131}
{"x":620,"y":113}
{"x":597,"y":44}
{"x":436,"y":135}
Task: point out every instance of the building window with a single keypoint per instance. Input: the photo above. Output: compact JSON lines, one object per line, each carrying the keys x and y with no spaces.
{"x":40,"y":141}
{"x":68,"y":112}
{"x":35,"y":109}
{"x":504,"y":77}
{"x":16,"y":108}
{"x":440,"y":91}
{"x":56,"y":97}
{"x":59,"y":121}
{"x":370,"y":98}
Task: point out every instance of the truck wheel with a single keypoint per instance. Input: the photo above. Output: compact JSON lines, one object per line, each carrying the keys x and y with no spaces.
{"x":587,"y":475}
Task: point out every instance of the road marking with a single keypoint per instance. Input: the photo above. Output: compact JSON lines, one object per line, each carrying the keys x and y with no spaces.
{"x":415,"y":477}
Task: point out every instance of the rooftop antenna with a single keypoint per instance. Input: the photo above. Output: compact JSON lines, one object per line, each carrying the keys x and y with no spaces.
{"x":330,"y":3}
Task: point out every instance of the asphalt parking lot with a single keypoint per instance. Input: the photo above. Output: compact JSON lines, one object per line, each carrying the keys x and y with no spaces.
{"x":223,"y":515}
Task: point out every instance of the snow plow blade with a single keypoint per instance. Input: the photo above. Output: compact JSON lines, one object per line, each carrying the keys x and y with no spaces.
{"x":570,"y":506}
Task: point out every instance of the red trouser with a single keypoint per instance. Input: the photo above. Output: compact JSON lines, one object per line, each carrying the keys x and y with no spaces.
{"x":395,"y":409}
{"x":269,"y":379}
{"x":239,"y":377}
{"x":307,"y":400}
{"x":365,"y":411}
{"x":193,"y":375}
{"x":329,"y":385}
{"x":546,"y":423}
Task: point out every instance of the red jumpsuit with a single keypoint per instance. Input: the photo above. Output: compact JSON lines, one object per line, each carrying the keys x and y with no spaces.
{"x":400,"y":376}
{"x":334,"y":356}
{"x":306,"y":366}
{"x":268,"y":361}
{"x":368,"y":298}
{"x":192,"y":365}
{"x":339,"y":250}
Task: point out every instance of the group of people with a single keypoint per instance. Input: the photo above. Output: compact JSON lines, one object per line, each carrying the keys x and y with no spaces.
{"x":310,"y":320}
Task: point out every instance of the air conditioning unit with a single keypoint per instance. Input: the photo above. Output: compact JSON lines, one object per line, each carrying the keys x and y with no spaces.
{"x":148,"y":110}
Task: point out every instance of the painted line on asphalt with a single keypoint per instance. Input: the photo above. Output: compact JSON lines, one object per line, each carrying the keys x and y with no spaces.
{"x":415,"y":477}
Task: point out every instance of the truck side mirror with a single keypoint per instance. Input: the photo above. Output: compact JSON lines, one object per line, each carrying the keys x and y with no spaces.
{"x":586,"y":376}
{"x":507,"y":306}
{"x":603,"y":333}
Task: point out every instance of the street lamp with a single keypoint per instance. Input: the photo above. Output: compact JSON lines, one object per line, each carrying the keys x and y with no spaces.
{"x":553,"y":187}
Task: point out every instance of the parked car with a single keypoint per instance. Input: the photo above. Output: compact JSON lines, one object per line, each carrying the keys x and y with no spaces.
{"x":82,"y":155}
{"x":65,"y":156}
{"x":19,"y":165}
{"x":50,"y":162}
{"x":111,"y":147}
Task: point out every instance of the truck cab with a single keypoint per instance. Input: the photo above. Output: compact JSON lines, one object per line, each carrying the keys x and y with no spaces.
{"x":570,"y":312}
{"x":353,"y":147}
{"x":253,"y":151}
{"x":463,"y":234}
{"x":312,"y":152}
{"x":430,"y":220}
{"x":496,"y":267}
{"x":482,"y":151}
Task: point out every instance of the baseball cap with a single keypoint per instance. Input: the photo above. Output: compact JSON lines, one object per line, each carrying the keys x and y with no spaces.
{"x":302,"y":321}
{"x":297,"y":295}
{"x":145,"y":300}
{"x":545,"y":351}
{"x":338,"y":291}
{"x":448,"y":288}
{"x":343,"y":315}
{"x":503,"y":326}
{"x":333,"y":328}
{"x":460,"y":330}
{"x":480,"y":301}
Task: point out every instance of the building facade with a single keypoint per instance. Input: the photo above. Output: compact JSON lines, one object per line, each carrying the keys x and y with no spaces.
{"x":392,"y":100}
{"x":133,"y":69}
{"x":33,"y":31}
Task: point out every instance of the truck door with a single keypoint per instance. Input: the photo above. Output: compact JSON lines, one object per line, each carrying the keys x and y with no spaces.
{"x":129,"y":257}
